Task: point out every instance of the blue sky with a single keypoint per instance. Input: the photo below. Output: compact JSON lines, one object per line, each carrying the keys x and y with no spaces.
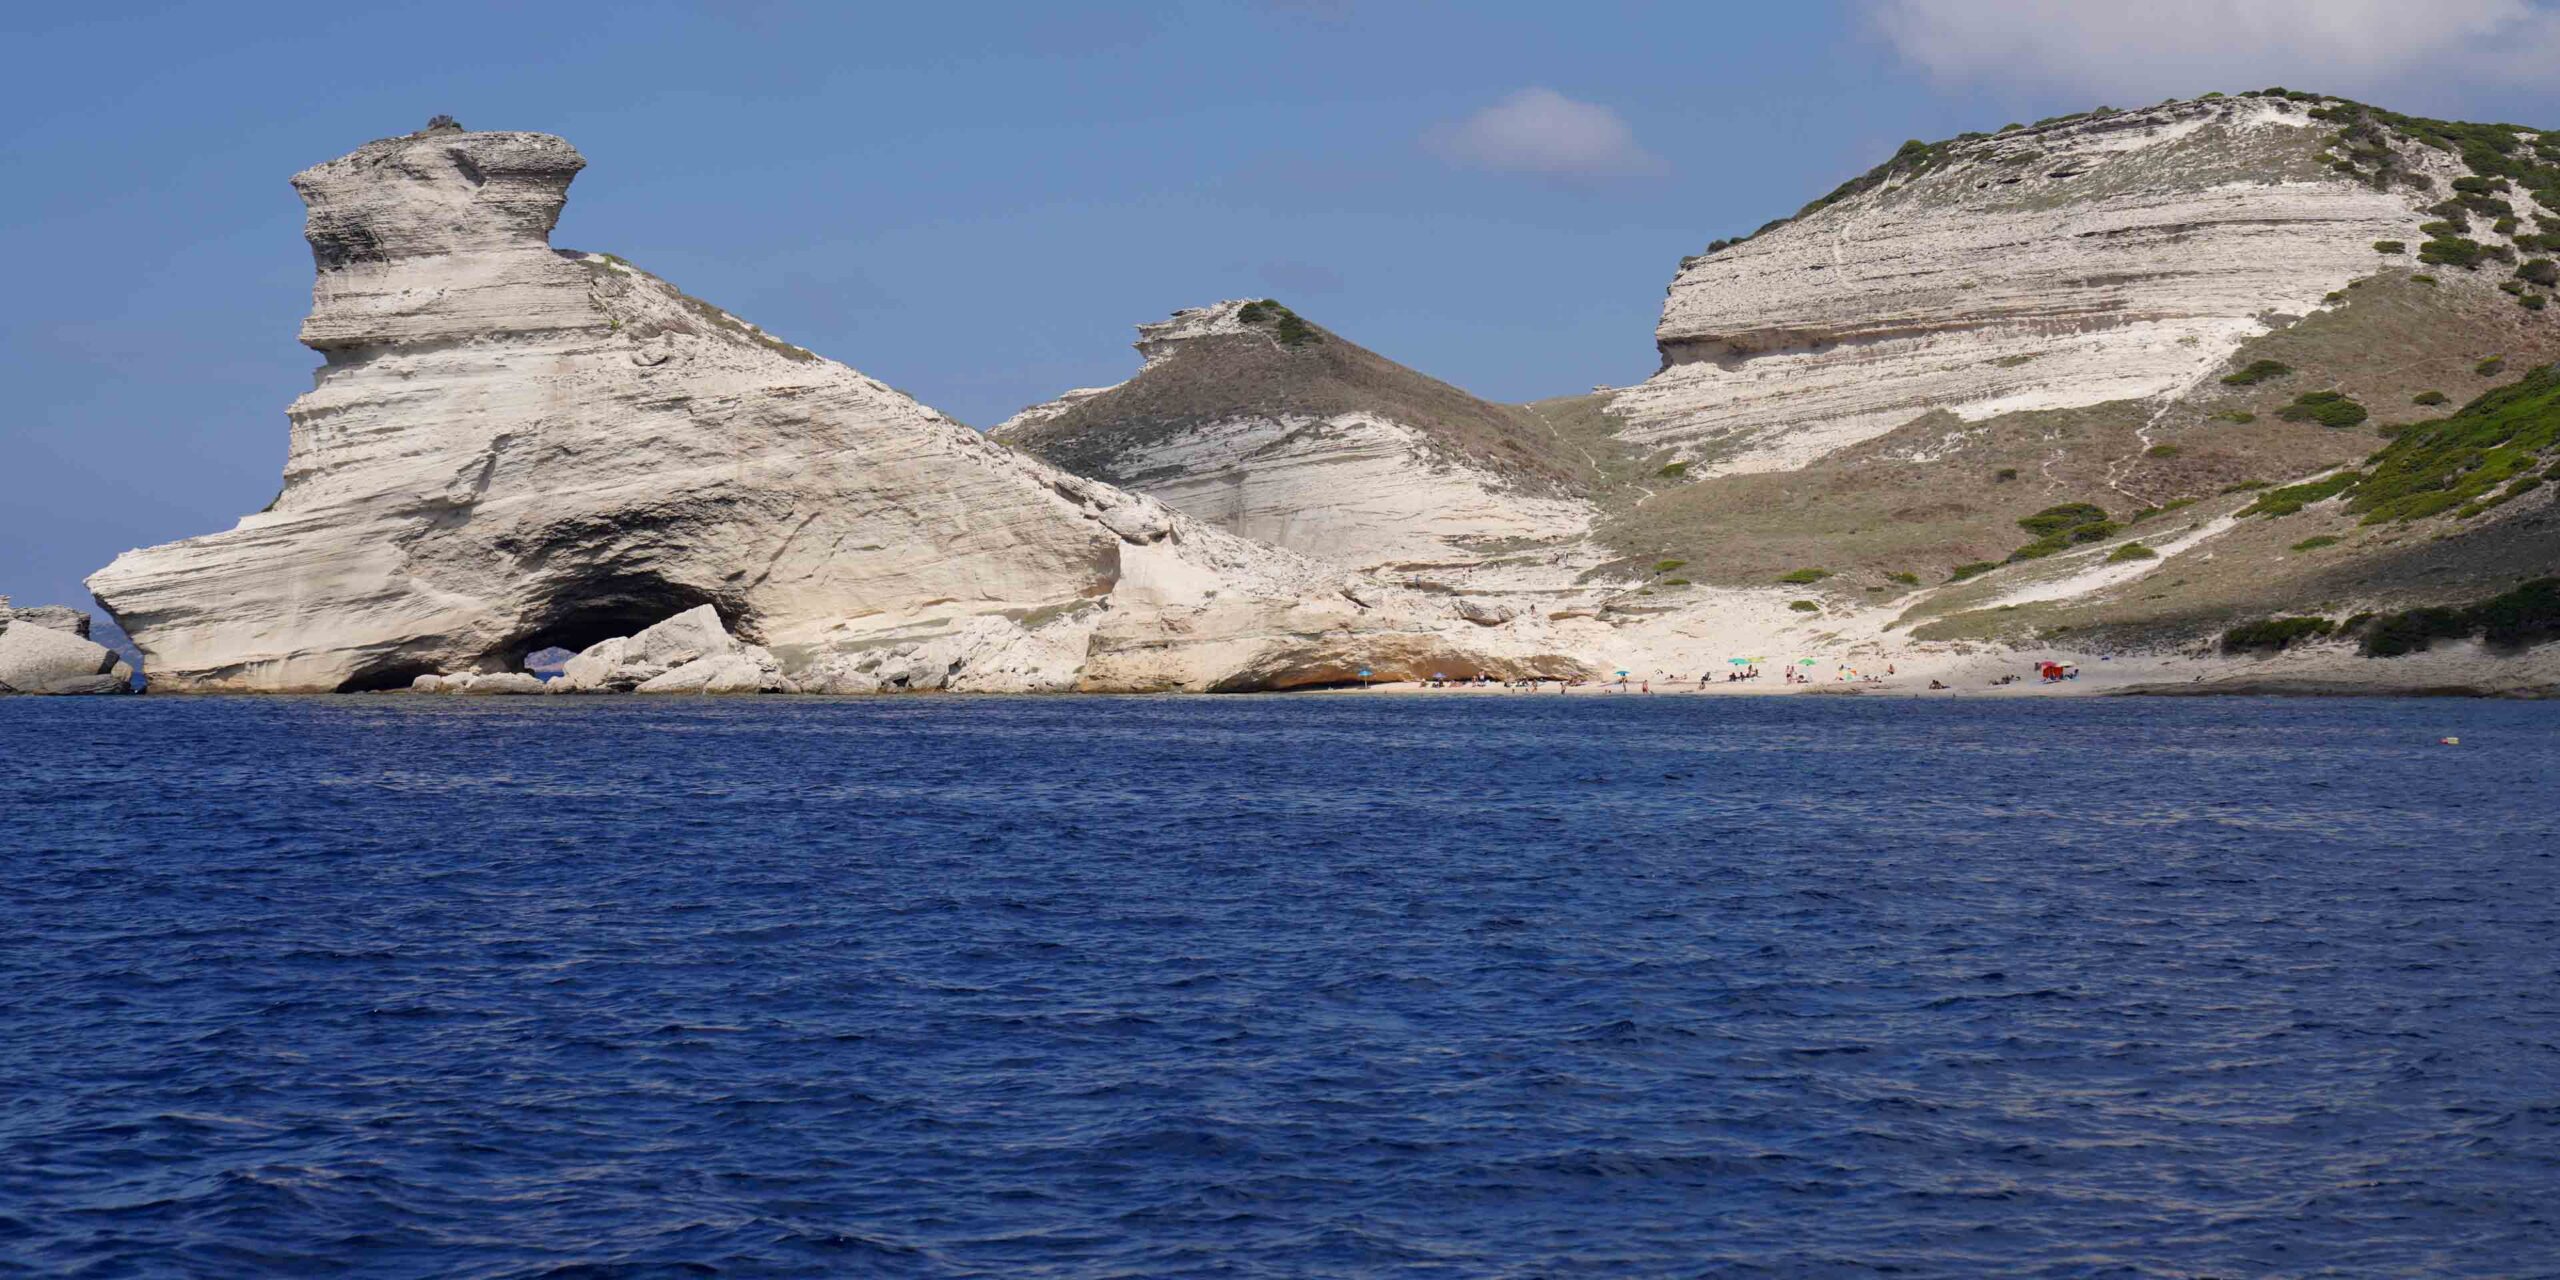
{"x":976,"y":202}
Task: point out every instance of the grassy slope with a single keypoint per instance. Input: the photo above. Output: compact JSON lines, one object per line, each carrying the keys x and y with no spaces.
{"x":1928,"y":496}
{"x":2369,"y":547}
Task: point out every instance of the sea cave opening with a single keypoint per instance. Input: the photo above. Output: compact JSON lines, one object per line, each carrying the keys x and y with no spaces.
{"x":600,"y":610}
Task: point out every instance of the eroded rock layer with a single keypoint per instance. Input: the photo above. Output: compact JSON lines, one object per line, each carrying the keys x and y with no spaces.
{"x":513,"y":448}
{"x":2110,"y":257}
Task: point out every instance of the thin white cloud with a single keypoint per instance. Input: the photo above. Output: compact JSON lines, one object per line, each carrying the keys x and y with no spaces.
{"x":2152,"y":48}
{"x":1541,"y":131}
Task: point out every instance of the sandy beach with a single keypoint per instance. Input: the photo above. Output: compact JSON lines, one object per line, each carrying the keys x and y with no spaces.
{"x":2462,"y":669}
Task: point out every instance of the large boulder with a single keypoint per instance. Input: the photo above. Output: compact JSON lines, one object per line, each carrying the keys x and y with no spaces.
{"x":39,"y":659}
{"x":751,"y":671}
{"x":687,"y":653}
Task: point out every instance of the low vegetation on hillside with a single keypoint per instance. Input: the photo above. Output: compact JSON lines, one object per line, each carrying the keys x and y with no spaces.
{"x":2484,"y":454}
{"x":2061,"y":528}
{"x":2269,"y":635}
{"x":1284,"y":324}
{"x":2526,"y":616}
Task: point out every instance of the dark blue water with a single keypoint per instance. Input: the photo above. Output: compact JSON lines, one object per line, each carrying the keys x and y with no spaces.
{"x":1323,"y":986}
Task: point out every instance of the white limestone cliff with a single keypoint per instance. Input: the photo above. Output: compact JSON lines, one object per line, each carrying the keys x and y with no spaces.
{"x":512,"y":448}
{"x":2110,"y":257}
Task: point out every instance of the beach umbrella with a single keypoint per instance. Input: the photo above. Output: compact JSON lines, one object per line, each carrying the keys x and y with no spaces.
{"x":1739,"y":662}
{"x":1805,"y":662}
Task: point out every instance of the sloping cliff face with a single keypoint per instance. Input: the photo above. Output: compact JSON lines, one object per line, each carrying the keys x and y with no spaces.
{"x":512,"y":448}
{"x":1250,"y":419}
{"x":2103,"y":258}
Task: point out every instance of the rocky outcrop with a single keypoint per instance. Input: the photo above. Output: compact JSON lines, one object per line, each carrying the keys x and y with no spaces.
{"x":1253,"y":420}
{"x":511,"y":449}
{"x":688,"y":653}
{"x":2108,"y":257}
{"x":52,"y":616}
{"x":47,"y":650}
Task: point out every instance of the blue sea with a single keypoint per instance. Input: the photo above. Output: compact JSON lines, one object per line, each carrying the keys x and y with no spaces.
{"x":1278,"y":987}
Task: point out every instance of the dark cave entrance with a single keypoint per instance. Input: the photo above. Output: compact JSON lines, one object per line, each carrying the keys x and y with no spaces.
{"x":599,"y":611}
{"x":572,"y":620}
{"x":391,"y":672}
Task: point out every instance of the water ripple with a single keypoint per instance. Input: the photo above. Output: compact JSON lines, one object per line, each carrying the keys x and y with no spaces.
{"x":1278,"y":987}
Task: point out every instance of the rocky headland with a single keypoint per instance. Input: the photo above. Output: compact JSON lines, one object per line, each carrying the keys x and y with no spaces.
{"x":512,"y":448}
{"x":2235,"y":392}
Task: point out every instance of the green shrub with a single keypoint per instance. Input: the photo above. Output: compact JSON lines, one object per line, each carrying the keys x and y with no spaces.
{"x":1804,"y":606}
{"x":2314,"y":544}
{"x":2412,"y":631}
{"x":2522,"y":618}
{"x":2422,"y":278}
{"x":2245,"y":486}
{"x":1675,"y":582}
{"x":2453,"y":251}
{"x":2328,"y":408}
{"x":2428,"y":398}
{"x":2293,"y":498}
{"x":2491,"y":367}
{"x":2533,"y":302}
{"x":1666,"y":566}
{"x":1906,"y":579}
{"x":2005,"y":474}
{"x":2131,"y":551}
{"x":2240,"y":416}
{"x":2435,"y":229}
{"x":1804,"y":577}
{"x":1973,"y":570}
{"x":2161,"y":451}
{"x":2390,"y":246}
{"x":2272,"y":635}
{"x":1673,"y":470}
{"x":2258,"y":371}
{"x":2069,"y":515}
{"x":1286,"y":327}
{"x":2056,"y":543}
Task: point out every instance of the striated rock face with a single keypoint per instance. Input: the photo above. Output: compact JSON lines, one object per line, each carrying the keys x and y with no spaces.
{"x":2107,"y":258}
{"x":1249,"y":419}
{"x":512,"y":448}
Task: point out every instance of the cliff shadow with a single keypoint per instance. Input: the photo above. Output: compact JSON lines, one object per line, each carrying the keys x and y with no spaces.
{"x":601,"y":609}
